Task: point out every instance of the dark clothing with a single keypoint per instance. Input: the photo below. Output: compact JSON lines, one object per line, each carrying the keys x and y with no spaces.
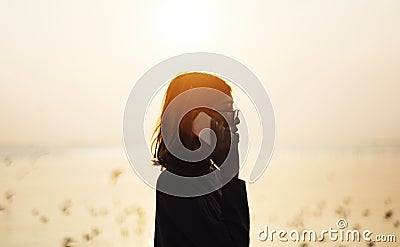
{"x":220,"y":218}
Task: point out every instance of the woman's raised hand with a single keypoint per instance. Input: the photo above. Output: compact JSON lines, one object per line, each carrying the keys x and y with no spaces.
{"x":224,"y":148}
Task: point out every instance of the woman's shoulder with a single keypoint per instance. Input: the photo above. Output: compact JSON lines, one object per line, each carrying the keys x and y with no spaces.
{"x":168,"y":182}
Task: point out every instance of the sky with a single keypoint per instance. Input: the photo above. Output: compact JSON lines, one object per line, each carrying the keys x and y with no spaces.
{"x":331,"y":68}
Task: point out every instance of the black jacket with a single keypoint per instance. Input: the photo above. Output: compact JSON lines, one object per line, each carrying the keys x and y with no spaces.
{"x":220,"y":218}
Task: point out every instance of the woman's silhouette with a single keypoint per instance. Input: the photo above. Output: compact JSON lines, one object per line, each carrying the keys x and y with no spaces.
{"x":219,"y":218}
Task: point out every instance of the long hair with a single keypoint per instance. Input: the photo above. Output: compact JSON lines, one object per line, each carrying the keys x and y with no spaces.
{"x":178,"y":85}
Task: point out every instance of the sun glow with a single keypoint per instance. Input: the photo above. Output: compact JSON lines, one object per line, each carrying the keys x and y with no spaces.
{"x":186,"y":23}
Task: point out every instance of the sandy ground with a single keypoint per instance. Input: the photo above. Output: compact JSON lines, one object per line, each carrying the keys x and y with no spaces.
{"x":92,"y":197}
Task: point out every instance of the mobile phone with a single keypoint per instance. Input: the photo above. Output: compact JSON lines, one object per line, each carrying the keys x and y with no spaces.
{"x":202,"y":120}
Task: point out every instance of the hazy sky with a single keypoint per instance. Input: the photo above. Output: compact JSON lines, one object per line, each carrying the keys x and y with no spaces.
{"x":331,"y":67}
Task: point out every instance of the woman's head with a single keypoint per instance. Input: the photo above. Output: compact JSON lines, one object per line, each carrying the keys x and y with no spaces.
{"x":177,"y":86}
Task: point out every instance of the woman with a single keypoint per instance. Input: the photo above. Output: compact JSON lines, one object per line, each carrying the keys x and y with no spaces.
{"x":219,"y":218}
